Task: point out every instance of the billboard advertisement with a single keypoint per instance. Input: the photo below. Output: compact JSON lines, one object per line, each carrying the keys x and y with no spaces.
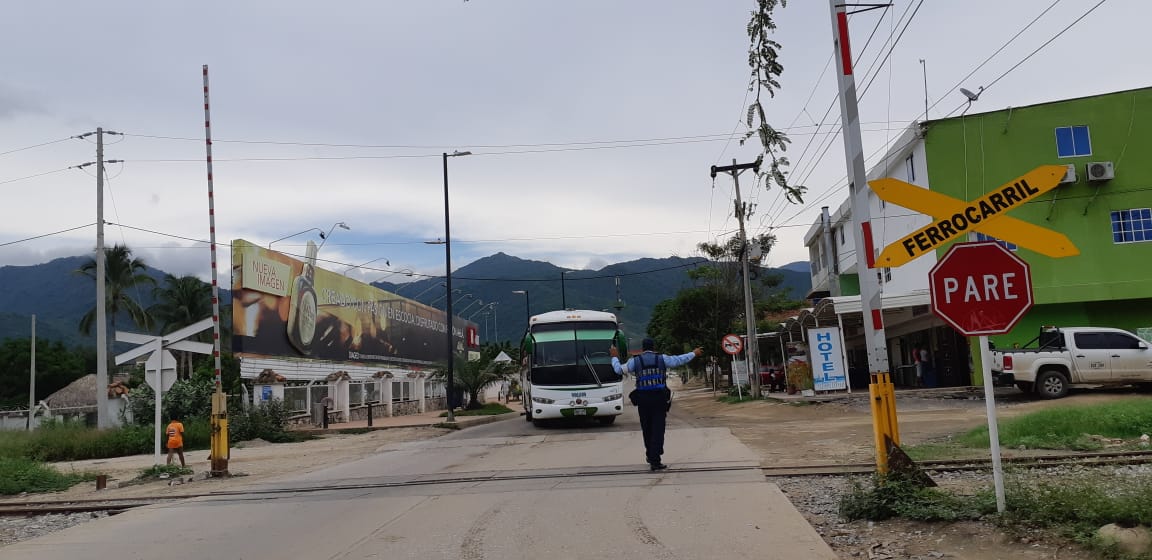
{"x":285,"y":307}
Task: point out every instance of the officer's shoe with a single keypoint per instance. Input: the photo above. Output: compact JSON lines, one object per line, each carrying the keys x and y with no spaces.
{"x":658,"y":466}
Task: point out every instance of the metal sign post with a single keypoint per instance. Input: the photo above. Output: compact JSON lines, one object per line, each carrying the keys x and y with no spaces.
{"x":982,"y":289}
{"x":160,"y":369}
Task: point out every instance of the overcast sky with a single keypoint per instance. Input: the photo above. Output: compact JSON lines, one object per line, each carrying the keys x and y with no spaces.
{"x":540,"y":91}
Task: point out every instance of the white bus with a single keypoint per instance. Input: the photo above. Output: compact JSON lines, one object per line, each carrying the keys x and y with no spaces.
{"x":566,"y":371}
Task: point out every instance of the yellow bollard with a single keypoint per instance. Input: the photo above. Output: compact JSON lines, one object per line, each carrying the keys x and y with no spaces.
{"x":876,"y":398}
{"x":219,"y":447}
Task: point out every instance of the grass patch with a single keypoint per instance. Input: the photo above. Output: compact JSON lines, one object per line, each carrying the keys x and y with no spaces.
{"x":1077,"y":505}
{"x":155,"y":471}
{"x":888,"y":497}
{"x":70,"y":441}
{"x":18,"y":475}
{"x":489,"y":409}
{"x":1070,"y":427}
{"x":447,"y":425}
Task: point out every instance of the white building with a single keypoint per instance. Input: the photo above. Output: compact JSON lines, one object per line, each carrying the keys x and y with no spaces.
{"x":908,"y":321}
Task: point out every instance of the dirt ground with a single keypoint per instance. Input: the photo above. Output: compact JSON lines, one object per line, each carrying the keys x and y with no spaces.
{"x":258,"y":462}
{"x":841,"y":432}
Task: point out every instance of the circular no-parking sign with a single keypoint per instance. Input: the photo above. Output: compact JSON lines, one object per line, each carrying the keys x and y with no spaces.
{"x":731,"y":344}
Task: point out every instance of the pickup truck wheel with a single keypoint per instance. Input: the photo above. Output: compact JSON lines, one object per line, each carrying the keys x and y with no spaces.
{"x":1025,"y":387}
{"x":1052,"y":384}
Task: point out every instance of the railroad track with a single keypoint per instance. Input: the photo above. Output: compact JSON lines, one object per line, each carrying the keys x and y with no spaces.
{"x":1036,"y":461}
{"x":113,"y":506}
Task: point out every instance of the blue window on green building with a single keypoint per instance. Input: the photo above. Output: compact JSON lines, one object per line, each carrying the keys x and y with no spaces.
{"x":1131,"y":226}
{"x":1005,"y":244}
{"x":1073,"y":141}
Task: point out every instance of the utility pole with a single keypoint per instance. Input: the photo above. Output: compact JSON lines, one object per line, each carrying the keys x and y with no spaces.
{"x":751,"y":352}
{"x":102,"y":419}
{"x":876,"y":343}
{"x":32,"y":377}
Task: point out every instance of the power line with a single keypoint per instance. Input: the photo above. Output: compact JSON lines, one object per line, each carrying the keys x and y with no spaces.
{"x":993,"y":55}
{"x":49,"y":143}
{"x":34,"y":176}
{"x":35,"y":237}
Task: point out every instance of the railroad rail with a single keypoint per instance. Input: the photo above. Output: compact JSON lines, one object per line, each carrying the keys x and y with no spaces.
{"x":112,"y":505}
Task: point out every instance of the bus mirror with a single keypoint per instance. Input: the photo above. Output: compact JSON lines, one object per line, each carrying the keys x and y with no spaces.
{"x":621,"y":343}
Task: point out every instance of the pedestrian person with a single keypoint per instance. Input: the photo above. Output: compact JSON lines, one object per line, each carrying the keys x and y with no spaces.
{"x":651,"y":397}
{"x":175,"y":433}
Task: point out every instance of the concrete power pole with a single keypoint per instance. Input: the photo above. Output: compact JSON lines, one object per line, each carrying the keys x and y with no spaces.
{"x":870,"y":298}
{"x":32,"y":376}
{"x":751,"y":352}
{"x":102,"y":418}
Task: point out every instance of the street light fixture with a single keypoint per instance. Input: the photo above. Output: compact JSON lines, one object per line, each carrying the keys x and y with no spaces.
{"x":386,"y":263}
{"x":563,"y":295}
{"x":405,"y":271}
{"x":295,"y":234}
{"x":324,"y":236}
{"x":469,"y":306}
{"x":448,"y":279}
{"x":433,"y":302}
{"x":428,"y":289}
{"x":463,"y":297}
{"x":478,"y":311}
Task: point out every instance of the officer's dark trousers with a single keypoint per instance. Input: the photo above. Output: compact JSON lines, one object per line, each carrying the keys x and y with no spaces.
{"x":653,"y":409}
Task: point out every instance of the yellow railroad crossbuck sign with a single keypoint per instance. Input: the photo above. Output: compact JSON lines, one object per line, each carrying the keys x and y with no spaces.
{"x":954,"y":217}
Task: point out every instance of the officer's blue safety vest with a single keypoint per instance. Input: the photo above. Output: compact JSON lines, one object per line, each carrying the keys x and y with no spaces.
{"x":651,"y":377}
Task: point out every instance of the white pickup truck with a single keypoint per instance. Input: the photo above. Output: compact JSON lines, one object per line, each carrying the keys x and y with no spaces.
{"x":1074,"y":356}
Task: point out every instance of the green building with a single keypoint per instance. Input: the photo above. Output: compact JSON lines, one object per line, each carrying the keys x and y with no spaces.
{"x":1104,"y":204}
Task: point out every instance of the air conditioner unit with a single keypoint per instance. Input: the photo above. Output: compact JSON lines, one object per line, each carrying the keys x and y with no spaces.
{"x":1099,"y":170}
{"x":1070,"y":174}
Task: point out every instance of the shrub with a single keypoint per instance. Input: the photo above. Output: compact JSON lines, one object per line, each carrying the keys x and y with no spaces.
{"x":72,"y":441}
{"x":892,"y":496}
{"x":155,"y":471}
{"x":19,"y":475}
{"x":266,"y":421}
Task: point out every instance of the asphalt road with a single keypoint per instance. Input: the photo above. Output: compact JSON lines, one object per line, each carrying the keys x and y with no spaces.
{"x":504,"y":490}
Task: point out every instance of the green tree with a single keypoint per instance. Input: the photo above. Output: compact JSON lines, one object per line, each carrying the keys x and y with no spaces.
{"x":698,"y":316}
{"x":180,"y":302}
{"x":123,"y":276}
{"x":763,"y":54}
{"x":474,"y":377}
{"x":56,"y":367}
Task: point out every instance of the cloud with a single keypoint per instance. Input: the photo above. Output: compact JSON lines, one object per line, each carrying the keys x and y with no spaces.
{"x":15,"y":102}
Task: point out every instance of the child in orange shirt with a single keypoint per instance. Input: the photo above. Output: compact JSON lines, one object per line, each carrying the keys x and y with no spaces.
{"x":175,"y":433}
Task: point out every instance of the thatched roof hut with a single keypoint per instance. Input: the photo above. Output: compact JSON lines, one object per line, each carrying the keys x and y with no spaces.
{"x":82,"y":393}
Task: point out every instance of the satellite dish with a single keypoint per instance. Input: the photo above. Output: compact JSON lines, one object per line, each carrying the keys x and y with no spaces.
{"x":972,"y":96}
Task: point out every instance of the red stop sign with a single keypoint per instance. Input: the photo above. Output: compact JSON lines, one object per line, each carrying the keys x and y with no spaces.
{"x":980,"y":288}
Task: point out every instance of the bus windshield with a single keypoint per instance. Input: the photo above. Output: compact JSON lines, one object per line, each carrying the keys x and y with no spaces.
{"x":573,"y":354}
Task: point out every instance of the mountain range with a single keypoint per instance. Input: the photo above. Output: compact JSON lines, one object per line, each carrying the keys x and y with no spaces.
{"x":59,"y":297}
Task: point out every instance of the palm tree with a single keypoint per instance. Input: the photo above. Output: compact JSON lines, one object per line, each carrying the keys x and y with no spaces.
{"x":473,"y":377}
{"x":182,"y":301}
{"x":123,"y":275}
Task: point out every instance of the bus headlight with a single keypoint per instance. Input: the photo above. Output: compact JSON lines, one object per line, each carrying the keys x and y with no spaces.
{"x":543,"y":400}
{"x":613,"y":397}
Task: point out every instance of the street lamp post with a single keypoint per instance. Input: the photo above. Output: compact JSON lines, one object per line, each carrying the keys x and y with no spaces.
{"x":386,"y":263}
{"x":448,"y":280}
{"x":426,"y":290}
{"x":469,"y":306}
{"x":527,"y":308}
{"x":433,"y":302}
{"x":563,"y":293}
{"x":295,"y":234}
{"x":324,"y":236}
